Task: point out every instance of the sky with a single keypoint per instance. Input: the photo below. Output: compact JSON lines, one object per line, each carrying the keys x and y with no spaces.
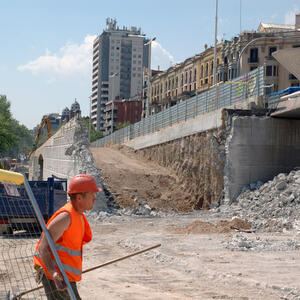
{"x":46,"y":46}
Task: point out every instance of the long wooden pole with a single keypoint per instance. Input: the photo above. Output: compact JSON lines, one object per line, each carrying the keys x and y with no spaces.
{"x":20,"y":295}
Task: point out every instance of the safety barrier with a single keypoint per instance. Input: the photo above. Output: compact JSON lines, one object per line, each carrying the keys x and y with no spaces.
{"x":223,"y":95}
{"x":21,"y":220}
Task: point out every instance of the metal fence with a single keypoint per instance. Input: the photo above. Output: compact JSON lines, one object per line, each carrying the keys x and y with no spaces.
{"x":272,"y":101}
{"x":223,"y":95}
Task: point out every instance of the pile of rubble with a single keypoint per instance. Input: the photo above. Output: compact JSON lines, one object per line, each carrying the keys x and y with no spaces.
{"x":241,"y":242}
{"x":84,"y":162}
{"x":270,"y":206}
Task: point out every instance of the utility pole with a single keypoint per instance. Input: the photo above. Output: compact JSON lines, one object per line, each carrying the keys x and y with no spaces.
{"x":113,"y":99}
{"x":149,"y":77}
{"x":215,"y":49}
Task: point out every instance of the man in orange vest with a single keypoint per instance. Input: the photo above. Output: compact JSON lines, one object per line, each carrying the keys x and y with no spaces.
{"x":69,"y":230}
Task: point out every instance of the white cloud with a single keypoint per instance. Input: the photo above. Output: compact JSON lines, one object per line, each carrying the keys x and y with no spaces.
{"x":72,"y":59}
{"x":160,"y":57}
{"x":289,"y":17}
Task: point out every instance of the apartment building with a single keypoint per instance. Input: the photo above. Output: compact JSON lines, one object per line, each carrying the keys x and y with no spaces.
{"x":121,"y":111}
{"x":119,"y":55}
{"x":183,"y":80}
{"x":178,"y":82}
{"x":254,"y":48}
{"x":236,"y":57}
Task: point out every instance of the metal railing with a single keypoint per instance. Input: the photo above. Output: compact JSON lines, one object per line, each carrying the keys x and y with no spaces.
{"x":223,"y":95}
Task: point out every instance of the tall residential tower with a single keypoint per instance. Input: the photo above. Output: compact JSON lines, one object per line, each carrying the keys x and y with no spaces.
{"x":119,"y":55}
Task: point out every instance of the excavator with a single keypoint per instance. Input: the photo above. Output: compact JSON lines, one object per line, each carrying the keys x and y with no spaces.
{"x":45,"y":121}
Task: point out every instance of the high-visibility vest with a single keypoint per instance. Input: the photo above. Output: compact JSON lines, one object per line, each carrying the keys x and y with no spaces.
{"x":69,"y":245}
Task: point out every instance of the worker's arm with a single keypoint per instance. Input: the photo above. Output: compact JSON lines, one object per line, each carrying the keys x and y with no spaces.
{"x":56,"y":229}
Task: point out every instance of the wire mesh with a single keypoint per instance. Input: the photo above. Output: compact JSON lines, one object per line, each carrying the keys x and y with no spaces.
{"x":223,"y":95}
{"x":20,"y":232}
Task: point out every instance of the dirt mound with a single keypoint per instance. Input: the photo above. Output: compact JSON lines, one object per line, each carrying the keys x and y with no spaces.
{"x":198,"y":227}
{"x":134,"y":181}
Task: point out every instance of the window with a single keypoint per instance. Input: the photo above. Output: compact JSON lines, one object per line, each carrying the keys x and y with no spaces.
{"x":292,"y":77}
{"x":275,"y":71}
{"x":139,"y":56}
{"x":295,"y":84}
{"x":252,"y":68}
{"x":134,"y":55}
{"x":296,"y":46}
{"x":269,"y":70}
{"x":253,"y":55}
{"x":271,"y":50}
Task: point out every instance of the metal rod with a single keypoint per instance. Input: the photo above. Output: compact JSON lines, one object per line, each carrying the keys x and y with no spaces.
{"x":20,"y":295}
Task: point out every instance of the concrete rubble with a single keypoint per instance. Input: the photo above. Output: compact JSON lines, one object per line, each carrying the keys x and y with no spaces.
{"x":84,"y":162}
{"x":272,"y":206}
{"x":242,"y":242}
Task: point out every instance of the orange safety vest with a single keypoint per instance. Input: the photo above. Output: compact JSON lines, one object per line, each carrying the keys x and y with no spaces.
{"x":69,"y":245}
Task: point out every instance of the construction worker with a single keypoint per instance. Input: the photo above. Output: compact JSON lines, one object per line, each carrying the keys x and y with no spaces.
{"x":69,"y":230}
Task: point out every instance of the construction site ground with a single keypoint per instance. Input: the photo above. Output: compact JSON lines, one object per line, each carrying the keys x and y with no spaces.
{"x":193,"y":261}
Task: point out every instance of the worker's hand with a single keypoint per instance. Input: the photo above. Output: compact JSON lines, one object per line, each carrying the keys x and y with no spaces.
{"x":59,"y":282}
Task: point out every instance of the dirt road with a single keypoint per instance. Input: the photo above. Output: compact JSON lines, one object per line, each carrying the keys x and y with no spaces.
{"x":194,"y":261}
{"x":186,"y":266}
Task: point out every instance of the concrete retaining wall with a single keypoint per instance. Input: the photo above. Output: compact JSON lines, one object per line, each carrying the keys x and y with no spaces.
{"x":200,"y":123}
{"x":215,"y":155}
{"x":258,"y":148}
{"x":51,"y":159}
{"x":65,"y":155}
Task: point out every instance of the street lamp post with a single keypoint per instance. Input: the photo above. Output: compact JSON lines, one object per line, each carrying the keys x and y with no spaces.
{"x":215,"y":49}
{"x":113,"y":99}
{"x":149,"y":77}
{"x":258,"y":39}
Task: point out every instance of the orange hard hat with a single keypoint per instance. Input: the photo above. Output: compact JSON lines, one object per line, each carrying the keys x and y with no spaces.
{"x":83,"y":183}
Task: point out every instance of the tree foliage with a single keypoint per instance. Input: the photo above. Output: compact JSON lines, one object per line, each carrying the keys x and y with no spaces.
{"x":122,"y":125}
{"x":94,"y":134}
{"x":14,"y":138}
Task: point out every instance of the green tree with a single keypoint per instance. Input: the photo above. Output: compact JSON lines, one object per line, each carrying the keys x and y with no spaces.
{"x":94,"y":134}
{"x":7,"y":139}
{"x":122,"y":125}
{"x":14,"y":138}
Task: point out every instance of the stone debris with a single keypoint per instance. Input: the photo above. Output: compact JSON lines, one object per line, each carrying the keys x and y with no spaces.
{"x":155,"y":254}
{"x":273,"y":206}
{"x":84,"y":162}
{"x":241,"y":242}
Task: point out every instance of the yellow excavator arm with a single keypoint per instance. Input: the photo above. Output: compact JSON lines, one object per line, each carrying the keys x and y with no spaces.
{"x":45,"y":121}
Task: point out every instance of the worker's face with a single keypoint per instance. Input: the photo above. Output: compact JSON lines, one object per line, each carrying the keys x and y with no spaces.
{"x":87,"y":200}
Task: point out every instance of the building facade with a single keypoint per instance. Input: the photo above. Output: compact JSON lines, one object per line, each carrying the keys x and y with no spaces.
{"x":254,"y":48}
{"x":121,"y":111}
{"x":119,"y":56}
{"x":236,"y":57}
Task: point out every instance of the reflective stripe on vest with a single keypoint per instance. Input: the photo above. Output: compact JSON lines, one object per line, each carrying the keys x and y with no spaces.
{"x":68,"y":250}
{"x":66,"y":267}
